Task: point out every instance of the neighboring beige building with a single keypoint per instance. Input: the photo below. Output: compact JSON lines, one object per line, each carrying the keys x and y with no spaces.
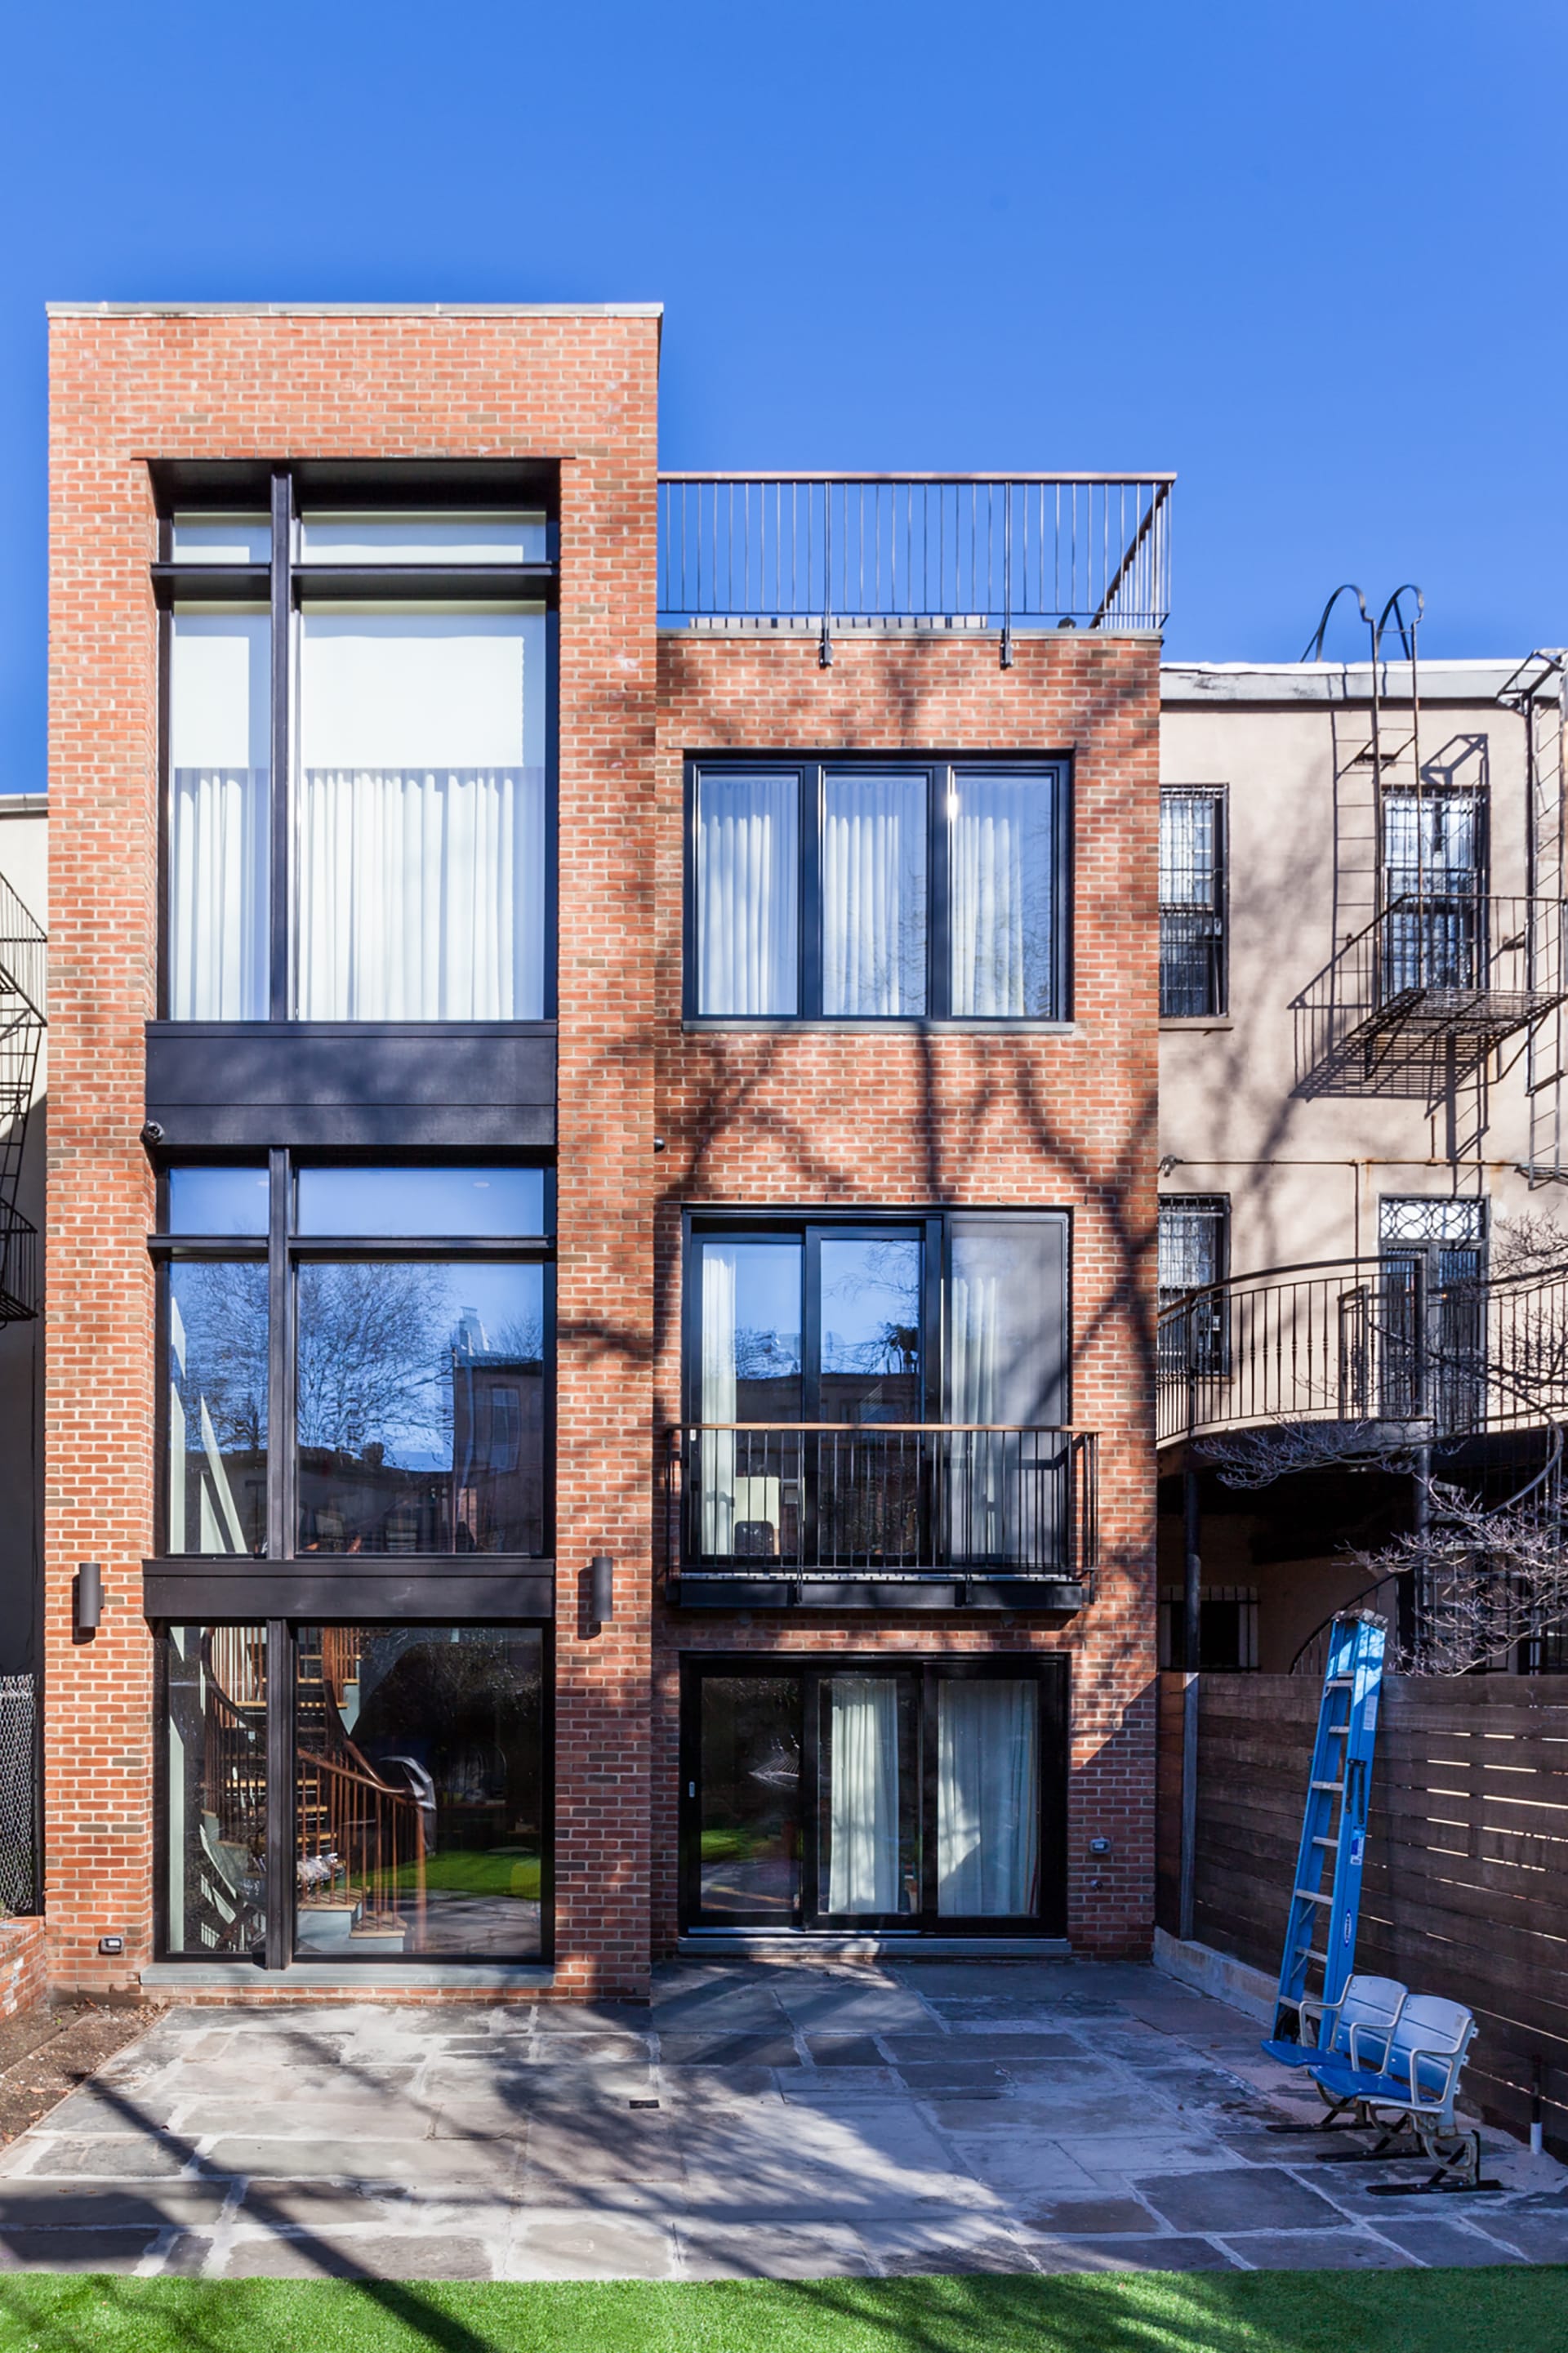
{"x":1361,"y":1050}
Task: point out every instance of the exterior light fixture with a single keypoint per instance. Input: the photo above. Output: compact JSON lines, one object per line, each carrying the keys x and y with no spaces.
{"x":601,"y":1589}
{"x":88,"y":1596}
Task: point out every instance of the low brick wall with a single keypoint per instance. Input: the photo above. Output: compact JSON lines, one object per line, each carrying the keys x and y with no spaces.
{"x":23,"y":1976}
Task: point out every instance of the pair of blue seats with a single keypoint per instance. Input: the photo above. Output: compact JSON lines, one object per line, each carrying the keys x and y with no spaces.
{"x":1381,"y":2047}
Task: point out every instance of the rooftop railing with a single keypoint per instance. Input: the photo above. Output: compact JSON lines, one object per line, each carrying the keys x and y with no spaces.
{"x":827,"y":553}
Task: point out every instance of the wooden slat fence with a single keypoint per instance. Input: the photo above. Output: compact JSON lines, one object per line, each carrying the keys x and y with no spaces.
{"x":1465,"y":1889}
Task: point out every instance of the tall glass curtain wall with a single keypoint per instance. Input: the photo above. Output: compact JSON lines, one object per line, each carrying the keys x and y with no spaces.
{"x":928,"y":891}
{"x":416,"y":786}
{"x":414,"y":1825}
{"x":800,"y":1332}
{"x":421,"y":1381}
{"x":906,"y":1796}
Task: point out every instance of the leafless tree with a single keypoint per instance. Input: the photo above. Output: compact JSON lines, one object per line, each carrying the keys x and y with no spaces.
{"x":1491,"y":1580}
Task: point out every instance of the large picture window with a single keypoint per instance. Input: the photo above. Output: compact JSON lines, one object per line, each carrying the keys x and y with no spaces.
{"x":862,"y":1792}
{"x":403,"y":1818}
{"x":415,"y":1305}
{"x":877,"y":1393}
{"x":839,"y":890}
{"x":357,"y":745}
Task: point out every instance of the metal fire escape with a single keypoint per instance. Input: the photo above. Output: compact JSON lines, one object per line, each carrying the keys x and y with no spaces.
{"x":1417,"y":1002}
{"x":1538,"y":692}
{"x":22,"y":1023}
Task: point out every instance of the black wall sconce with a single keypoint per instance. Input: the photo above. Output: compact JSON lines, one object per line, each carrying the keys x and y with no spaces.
{"x":601,"y":1589}
{"x":88,"y":1598}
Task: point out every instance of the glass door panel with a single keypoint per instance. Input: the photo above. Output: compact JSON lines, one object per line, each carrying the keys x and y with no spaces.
{"x":418,"y":1790}
{"x":868,"y":1795}
{"x":749,"y":1825}
{"x":987,"y":1797}
{"x":869,"y":1366}
{"x":215,"y":1813}
{"x":748,"y":1477}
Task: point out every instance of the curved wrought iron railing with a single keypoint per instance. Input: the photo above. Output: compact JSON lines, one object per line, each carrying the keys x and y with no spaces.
{"x":1376,"y":1341}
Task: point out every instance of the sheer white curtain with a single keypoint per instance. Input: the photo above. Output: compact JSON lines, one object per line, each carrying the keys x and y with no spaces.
{"x":419,"y":819}
{"x":748,"y":858}
{"x":219,"y":819}
{"x":716,"y":1459}
{"x":863,"y":1812}
{"x":976,"y":1483}
{"x":1001,"y":893}
{"x":987,"y":1798}
{"x":874,"y":895}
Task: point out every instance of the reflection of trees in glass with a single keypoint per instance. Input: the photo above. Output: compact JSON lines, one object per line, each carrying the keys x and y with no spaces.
{"x":878,"y":1274}
{"x":218,"y":1335}
{"x":374,"y":1357}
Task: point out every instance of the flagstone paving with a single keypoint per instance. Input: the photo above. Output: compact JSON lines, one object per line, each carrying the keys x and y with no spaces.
{"x":785,"y":2122}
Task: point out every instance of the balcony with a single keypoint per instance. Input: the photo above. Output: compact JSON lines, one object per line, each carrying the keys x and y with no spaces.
{"x":1397,"y":1349}
{"x":831,"y":555}
{"x":882,"y":1514}
{"x":1421,"y":997}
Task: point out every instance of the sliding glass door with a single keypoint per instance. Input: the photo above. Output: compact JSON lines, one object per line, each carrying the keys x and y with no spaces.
{"x":860,"y":1793}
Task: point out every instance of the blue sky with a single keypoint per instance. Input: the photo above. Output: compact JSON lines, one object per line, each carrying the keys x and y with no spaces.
{"x":1308,"y":258}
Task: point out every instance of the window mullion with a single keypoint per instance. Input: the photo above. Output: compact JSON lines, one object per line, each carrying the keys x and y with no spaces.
{"x":280,"y":1363}
{"x":282,"y":553}
{"x":278,"y":1944}
{"x":810,"y":927}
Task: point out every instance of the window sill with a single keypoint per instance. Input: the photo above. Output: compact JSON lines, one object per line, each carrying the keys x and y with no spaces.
{"x":784,"y":1026}
{"x":1201,"y":1022}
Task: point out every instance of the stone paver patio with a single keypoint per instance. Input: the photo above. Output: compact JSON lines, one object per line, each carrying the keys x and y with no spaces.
{"x":778,"y":2121}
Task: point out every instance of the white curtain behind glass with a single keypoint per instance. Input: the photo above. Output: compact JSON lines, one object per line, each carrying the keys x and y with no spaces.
{"x":718,"y":1447}
{"x":419,"y":816}
{"x":747,"y":879}
{"x":863,"y":1814}
{"x":1002,"y":895}
{"x":987,"y":1798}
{"x":219,"y":718}
{"x":874,"y":895}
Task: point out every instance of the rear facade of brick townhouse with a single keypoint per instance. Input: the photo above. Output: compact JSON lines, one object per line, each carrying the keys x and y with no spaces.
{"x":498,"y":1127}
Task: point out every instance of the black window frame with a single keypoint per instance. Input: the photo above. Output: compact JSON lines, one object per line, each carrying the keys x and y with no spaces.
{"x":809,"y":1226}
{"x":939,"y":769}
{"x":378,"y":488}
{"x":1052,"y":1672}
{"x":276,"y":1951}
{"x":283,"y":1252}
{"x":1215,"y":913}
{"x":1198,"y":1344}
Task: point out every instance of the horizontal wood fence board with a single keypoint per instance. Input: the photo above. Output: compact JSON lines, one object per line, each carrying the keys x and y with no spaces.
{"x":1465,"y":1884}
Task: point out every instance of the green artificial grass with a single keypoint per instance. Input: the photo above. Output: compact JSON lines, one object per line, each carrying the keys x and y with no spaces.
{"x":464,"y":1872}
{"x":1502,"y":2311}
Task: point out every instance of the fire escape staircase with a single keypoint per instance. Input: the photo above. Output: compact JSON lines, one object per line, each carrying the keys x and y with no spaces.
{"x":22,"y":1024}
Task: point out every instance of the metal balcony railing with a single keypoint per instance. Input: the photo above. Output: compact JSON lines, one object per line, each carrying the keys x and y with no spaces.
{"x":883,"y":1500}
{"x":834,"y":552}
{"x":1380,"y":1340}
{"x":18,"y":1266}
{"x":1425,"y":991}
{"x":24,"y":947}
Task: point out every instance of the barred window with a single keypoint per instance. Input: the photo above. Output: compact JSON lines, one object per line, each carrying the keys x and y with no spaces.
{"x":1194,"y":1252}
{"x":1191,"y":901}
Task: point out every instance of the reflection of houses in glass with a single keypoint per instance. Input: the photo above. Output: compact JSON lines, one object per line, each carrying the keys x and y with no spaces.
{"x":456,"y":1464}
{"x":498,"y":1443}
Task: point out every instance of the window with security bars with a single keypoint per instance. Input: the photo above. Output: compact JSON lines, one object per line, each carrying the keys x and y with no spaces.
{"x":1191,"y":902}
{"x":1433,"y":889}
{"x":1195,"y":1253}
{"x":1434,"y":1252}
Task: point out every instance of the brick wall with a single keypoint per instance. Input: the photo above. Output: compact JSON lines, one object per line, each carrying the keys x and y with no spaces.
{"x":23,"y":1972}
{"x":126,"y":389}
{"x":1059,"y":1122}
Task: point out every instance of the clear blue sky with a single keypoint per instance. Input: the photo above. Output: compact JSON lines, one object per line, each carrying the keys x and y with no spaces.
{"x":1312,"y":257}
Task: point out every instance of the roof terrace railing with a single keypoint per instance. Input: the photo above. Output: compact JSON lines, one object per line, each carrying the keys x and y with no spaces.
{"x":835,"y":553}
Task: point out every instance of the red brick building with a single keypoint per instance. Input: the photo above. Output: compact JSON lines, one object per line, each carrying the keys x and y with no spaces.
{"x":601,"y":1172}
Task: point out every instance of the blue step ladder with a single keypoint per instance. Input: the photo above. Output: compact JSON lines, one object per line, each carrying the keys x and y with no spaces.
{"x":1326,"y":1901}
